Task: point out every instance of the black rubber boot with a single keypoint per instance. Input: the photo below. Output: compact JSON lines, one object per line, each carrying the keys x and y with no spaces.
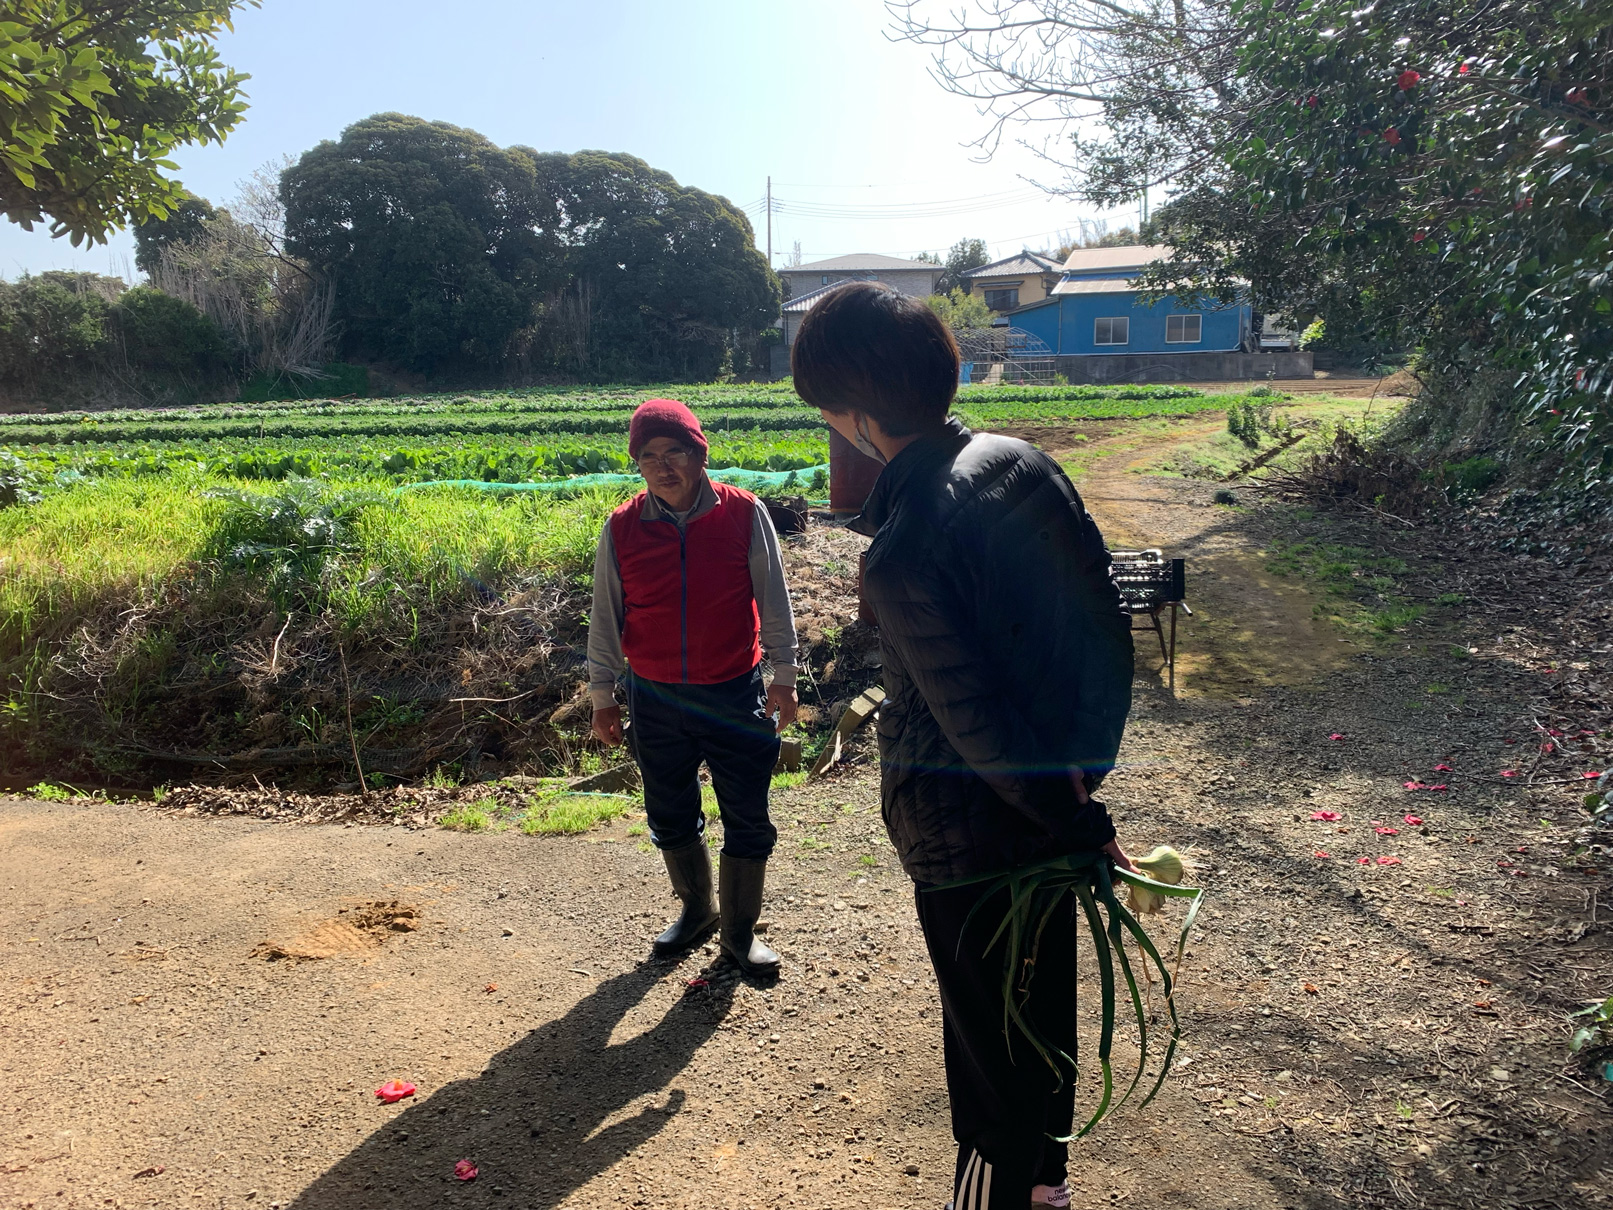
{"x":740,"y":893}
{"x":689,"y":868}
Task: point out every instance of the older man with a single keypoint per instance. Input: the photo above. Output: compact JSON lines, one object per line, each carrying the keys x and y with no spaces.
{"x":689,"y":593}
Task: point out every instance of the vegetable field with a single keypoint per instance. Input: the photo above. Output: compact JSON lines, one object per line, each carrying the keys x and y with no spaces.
{"x":239,"y":587}
{"x":512,"y":437}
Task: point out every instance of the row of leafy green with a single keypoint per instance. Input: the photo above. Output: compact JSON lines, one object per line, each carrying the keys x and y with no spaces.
{"x":491,"y":447}
{"x":589,"y":400}
{"x":441,"y":423}
{"x":507,"y":460}
{"x":396,"y":424}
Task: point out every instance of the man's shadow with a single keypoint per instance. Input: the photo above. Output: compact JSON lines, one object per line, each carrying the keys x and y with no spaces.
{"x":528,"y":1121}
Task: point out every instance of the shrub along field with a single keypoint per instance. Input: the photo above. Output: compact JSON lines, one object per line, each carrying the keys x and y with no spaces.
{"x":239,"y":590}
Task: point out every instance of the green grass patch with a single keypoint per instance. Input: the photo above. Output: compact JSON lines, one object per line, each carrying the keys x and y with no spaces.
{"x":563,"y":813}
{"x":136,"y":536}
{"x":1361,"y":585}
{"x":475,"y":816}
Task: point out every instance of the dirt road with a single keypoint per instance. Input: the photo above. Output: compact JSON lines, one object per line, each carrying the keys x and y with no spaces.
{"x":1358,"y":1033}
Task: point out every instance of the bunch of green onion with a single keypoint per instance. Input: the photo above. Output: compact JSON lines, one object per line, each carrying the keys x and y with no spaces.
{"x":1034,"y":894}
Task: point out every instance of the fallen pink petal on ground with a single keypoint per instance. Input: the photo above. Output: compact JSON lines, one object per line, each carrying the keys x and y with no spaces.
{"x":1322,"y":855}
{"x":1388,"y":861}
{"x":1387,"y":831}
{"x":395,"y":1090}
{"x":1326,"y":816}
{"x":1442,"y":767}
{"x":465,"y":1171}
{"x":1336,"y":735}
{"x":1414,"y":821}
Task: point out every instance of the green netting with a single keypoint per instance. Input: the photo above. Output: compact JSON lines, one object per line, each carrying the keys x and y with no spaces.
{"x":808,"y":478}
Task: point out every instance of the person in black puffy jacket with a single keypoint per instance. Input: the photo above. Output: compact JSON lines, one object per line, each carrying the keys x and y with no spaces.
{"x":1007,"y":668}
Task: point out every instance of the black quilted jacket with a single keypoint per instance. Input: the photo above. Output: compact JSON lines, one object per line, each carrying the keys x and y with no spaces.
{"x":1007,"y":659}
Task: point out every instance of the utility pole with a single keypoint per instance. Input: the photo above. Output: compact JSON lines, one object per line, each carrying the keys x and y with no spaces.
{"x":769,"y":222}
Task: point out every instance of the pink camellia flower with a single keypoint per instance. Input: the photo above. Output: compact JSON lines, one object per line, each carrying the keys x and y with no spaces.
{"x":1311,"y":100}
{"x":1408,"y":80}
{"x":466,"y":1171}
{"x":1387,"y":831}
{"x":1576,"y":96}
{"x":1442,"y":767}
{"x":1388,"y":861}
{"x":1392,"y":137}
{"x":1414,"y":821}
{"x":1416,"y":785}
{"x":1336,"y":735}
{"x":1418,"y":237}
{"x":1326,"y":816}
{"x":395,"y":1090}
{"x":1462,"y":70}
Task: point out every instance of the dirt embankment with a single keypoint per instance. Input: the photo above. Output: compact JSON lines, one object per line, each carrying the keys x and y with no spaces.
{"x":222,"y":685}
{"x":1374,"y":1005}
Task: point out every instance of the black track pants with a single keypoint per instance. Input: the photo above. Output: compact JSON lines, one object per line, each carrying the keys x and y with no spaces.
{"x":1006,"y":1101}
{"x":675,"y":727}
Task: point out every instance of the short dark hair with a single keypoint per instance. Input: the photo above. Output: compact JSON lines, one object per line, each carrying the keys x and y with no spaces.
{"x":864,"y":347}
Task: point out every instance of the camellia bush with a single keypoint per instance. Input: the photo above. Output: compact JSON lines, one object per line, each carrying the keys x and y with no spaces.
{"x":1453,"y":163}
{"x":1428,"y":175}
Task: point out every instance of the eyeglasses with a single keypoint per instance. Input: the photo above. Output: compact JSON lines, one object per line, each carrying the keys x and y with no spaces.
{"x":672,"y":460}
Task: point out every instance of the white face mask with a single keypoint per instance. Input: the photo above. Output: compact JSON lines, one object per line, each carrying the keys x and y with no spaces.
{"x":864,"y":442}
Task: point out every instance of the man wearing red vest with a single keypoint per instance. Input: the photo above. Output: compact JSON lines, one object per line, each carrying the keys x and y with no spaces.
{"x":689,"y":593}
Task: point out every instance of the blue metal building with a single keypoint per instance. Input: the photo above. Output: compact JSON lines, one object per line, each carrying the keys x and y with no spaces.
{"x":1094,"y":311}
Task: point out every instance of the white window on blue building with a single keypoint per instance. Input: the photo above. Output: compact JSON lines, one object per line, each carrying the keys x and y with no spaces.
{"x":1184,"y":329}
{"x":1114,"y":331}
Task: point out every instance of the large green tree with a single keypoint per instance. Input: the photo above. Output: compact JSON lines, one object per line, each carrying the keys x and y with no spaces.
{"x":964,"y":255}
{"x":94,"y":98}
{"x":448,"y":254}
{"x":436,"y":240}
{"x":185,"y":223}
{"x":672,"y":273}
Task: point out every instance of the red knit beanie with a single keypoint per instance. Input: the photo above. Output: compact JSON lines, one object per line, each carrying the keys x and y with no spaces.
{"x":663,"y":418}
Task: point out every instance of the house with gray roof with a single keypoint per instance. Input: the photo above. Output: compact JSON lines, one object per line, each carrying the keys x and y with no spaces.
{"x":909,"y":276}
{"x":1015,"y":281}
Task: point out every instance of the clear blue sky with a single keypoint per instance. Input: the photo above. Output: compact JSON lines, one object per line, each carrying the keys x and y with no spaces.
{"x":720,"y":93}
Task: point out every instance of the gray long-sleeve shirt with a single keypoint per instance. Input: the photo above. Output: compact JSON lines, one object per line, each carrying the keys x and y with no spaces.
{"x":605,"y":658}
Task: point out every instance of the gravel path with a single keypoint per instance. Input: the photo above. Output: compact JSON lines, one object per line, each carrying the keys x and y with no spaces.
{"x":1357,"y":1034}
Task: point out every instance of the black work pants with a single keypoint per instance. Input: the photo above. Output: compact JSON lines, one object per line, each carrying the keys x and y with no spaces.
{"x":673,"y":728}
{"x":1007,"y":1103}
